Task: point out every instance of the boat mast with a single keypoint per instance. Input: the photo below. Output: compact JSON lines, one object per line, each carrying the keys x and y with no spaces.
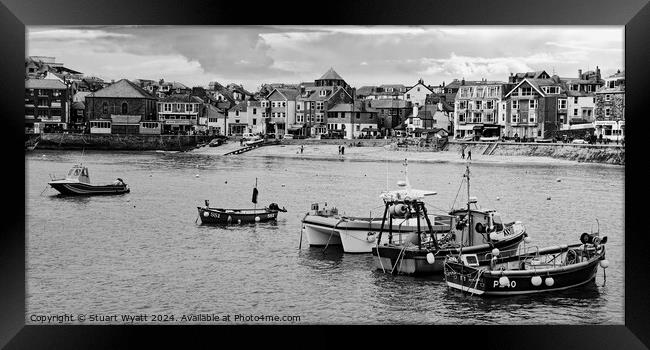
{"x":469,"y":214}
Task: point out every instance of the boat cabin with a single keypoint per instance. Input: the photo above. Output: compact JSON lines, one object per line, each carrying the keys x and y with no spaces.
{"x":484,"y":223}
{"x":79,"y":173}
{"x":323,"y":212}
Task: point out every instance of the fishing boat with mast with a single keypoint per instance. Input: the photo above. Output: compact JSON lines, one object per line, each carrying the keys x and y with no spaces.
{"x":326,"y":227}
{"x":478,"y":231}
{"x":529,"y":271}
{"x":224,"y":216}
{"x":77,"y":183}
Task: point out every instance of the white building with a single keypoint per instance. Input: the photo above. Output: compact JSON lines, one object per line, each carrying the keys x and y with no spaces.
{"x":418,"y":93}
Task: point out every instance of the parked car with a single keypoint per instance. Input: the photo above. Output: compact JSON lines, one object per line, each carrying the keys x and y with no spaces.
{"x":250,"y":137}
{"x":489,"y":138}
{"x":288,"y":136}
{"x":580,"y":141}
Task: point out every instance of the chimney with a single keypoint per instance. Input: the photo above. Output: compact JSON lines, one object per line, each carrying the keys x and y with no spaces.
{"x":462,"y":82}
{"x":579,"y":73}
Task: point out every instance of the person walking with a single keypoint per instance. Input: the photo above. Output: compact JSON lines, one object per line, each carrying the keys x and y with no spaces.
{"x":469,"y":154}
{"x":342,"y":149}
{"x":301,"y":148}
{"x":462,"y":153}
{"x":339,"y":149}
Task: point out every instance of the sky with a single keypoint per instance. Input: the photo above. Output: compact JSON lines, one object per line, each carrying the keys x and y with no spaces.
{"x":362,"y":55}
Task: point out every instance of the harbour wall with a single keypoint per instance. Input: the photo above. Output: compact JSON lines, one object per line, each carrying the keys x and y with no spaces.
{"x":345,"y":142}
{"x":134,"y":142}
{"x":609,"y":154}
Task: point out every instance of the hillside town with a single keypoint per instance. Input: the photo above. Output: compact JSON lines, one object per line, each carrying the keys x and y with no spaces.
{"x":523,"y":107}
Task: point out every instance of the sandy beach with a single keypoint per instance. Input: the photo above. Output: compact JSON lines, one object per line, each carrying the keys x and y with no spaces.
{"x":378,"y":154}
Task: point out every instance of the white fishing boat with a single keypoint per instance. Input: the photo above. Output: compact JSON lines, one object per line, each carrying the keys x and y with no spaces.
{"x":326,"y":227}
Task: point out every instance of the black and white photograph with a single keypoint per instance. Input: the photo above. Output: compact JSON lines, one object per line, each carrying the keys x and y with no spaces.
{"x":288,"y":174}
{"x":325,"y":174}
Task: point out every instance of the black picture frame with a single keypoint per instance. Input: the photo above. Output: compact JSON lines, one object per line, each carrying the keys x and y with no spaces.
{"x":633,"y":14}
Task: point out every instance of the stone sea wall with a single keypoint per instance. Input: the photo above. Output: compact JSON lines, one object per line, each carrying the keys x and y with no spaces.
{"x":610,"y":154}
{"x":121,"y":142}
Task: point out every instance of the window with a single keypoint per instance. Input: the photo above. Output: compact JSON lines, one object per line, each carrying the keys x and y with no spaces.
{"x":188,"y":107}
{"x":418,"y":89}
{"x":532,"y":104}
{"x":489,"y":104}
{"x":575,"y":111}
{"x":105,"y":108}
{"x":608,"y":97}
{"x":461,"y":117}
{"x":254,"y":111}
{"x":607,"y":111}
{"x":531,"y":117}
{"x":515,"y":104}
{"x":515,"y":118}
{"x":462,"y":104}
{"x":561,"y":103}
{"x":237,"y":113}
{"x":575,"y":100}
{"x":408,"y":96}
{"x":358,"y":115}
{"x":319,"y":105}
{"x":254,"y":121}
{"x":322,"y":93}
{"x":284,"y":103}
{"x":526,"y":91}
{"x":125,"y":108}
{"x":298,"y":105}
{"x":167,"y":107}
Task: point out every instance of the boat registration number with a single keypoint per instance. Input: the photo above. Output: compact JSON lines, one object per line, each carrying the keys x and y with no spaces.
{"x":512,"y":284}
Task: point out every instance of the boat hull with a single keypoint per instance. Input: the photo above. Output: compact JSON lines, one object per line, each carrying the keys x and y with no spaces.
{"x":236,"y":216}
{"x":83,"y":189}
{"x":413,"y":261}
{"x":358,"y":235}
{"x":458,"y":277}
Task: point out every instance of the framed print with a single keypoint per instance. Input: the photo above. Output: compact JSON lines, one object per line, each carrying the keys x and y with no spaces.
{"x":458,"y":171}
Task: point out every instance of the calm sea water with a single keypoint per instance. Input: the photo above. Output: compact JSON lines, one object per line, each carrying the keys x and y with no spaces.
{"x":144,"y":253}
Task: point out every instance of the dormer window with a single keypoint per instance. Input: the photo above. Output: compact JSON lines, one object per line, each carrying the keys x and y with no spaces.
{"x":322,"y":93}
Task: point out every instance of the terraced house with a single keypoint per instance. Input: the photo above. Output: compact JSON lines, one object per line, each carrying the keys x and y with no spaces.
{"x":246,"y":117}
{"x":179,"y":114}
{"x":536,"y":106}
{"x":610,"y":108}
{"x":314,"y":101}
{"x":353,"y":120}
{"x":46,"y":104}
{"x":479,"y":109}
{"x":279,"y":111}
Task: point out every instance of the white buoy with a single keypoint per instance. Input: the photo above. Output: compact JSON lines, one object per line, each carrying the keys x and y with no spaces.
{"x":549,"y":281}
{"x":536,"y":281}
{"x":239,"y":221}
{"x":558,"y":179}
{"x":128,"y":199}
{"x":257,"y":219}
{"x":527,"y":240}
{"x":282,"y":185}
{"x":431,"y":258}
{"x":548,"y":198}
{"x":604,"y":263}
{"x":495,"y":252}
{"x":493,"y":236}
{"x":206,"y":214}
{"x":504,"y":281}
{"x":370,"y":238}
{"x":498,"y":198}
{"x":197,"y":175}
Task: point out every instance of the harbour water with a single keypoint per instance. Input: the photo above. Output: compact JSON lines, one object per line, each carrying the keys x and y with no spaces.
{"x":144,"y":253}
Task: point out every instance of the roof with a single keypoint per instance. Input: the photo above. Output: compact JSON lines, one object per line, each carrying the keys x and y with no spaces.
{"x":389,"y":104}
{"x":289,"y":94}
{"x":366,"y":90}
{"x":78,"y":105}
{"x":212,"y":112}
{"x":573,"y":93}
{"x":330,"y":75}
{"x":122,"y":88}
{"x":187,"y":98}
{"x":359,"y":106}
{"x":454,"y":84}
{"x":44,"y":84}
{"x":243,"y":107}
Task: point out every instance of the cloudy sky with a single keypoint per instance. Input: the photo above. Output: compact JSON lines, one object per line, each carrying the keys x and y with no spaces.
{"x":196,"y":55}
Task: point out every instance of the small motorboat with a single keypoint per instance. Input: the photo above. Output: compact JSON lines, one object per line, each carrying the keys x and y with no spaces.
{"x":223,"y":216}
{"x":531,"y":271}
{"x":77,"y":182}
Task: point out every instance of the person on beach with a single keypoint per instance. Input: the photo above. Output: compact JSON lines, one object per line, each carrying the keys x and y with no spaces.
{"x":342,"y":149}
{"x":339,"y":149}
{"x":469,"y":154}
{"x":301,"y":148}
{"x":462,"y":154}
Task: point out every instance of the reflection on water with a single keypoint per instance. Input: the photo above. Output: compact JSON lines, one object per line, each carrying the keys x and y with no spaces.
{"x":145,"y":251}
